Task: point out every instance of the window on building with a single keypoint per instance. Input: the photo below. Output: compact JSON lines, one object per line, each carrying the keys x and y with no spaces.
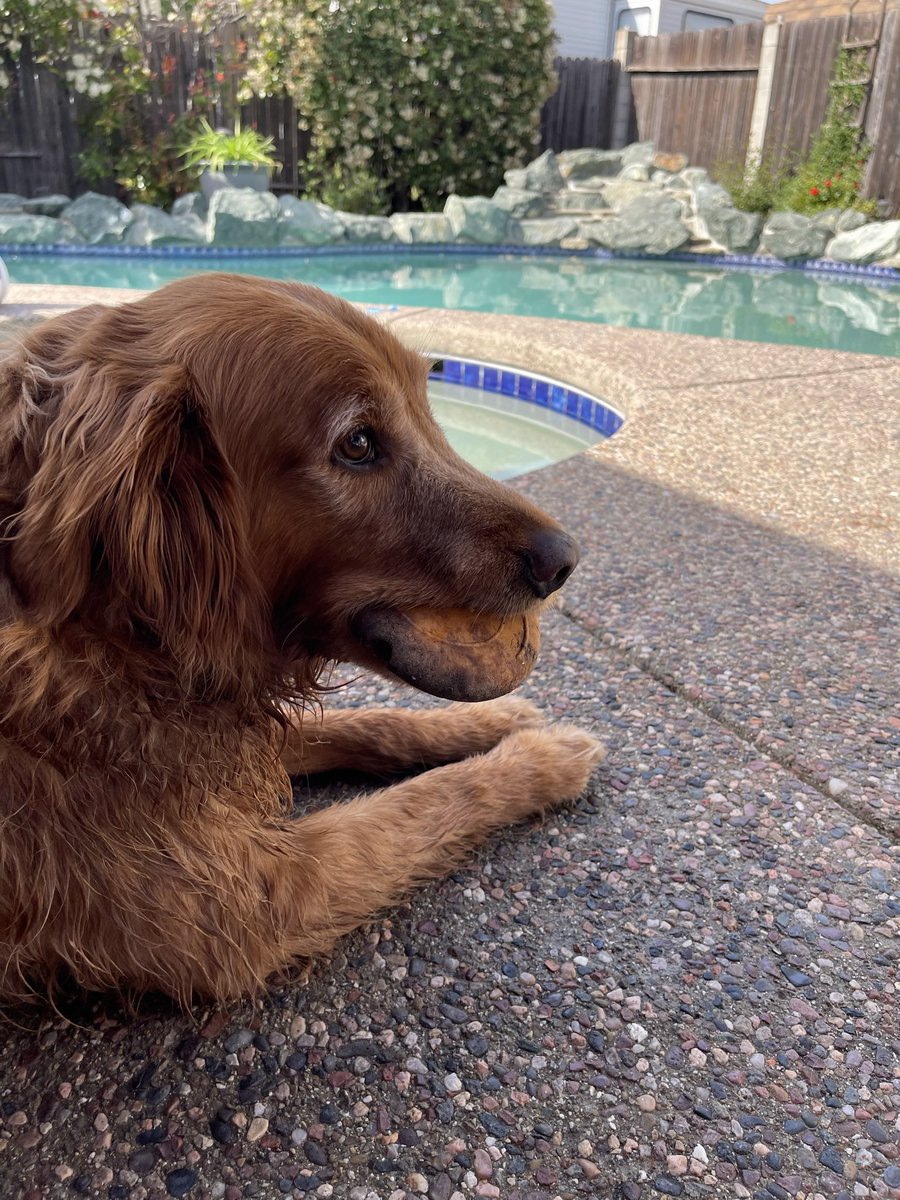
{"x":637,"y":19}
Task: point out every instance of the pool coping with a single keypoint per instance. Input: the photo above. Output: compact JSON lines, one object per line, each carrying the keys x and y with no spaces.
{"x":876,"y":273}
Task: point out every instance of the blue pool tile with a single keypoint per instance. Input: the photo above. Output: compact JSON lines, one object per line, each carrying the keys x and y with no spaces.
{"x":452,"y":370}
{"x":542,"y":392}
{"x":573,"y":404}
{"x":508,"y":383}
{"x":491,"y":380}
{"x":557,"y":398}
{"x":525,"y":388}
{"x":471,"y":374}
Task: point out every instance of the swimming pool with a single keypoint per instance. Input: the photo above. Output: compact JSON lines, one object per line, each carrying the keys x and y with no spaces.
{"x":787,"y":307}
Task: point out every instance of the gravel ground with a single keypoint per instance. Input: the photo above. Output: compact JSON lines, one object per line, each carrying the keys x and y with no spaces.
{"x":685,"y":985}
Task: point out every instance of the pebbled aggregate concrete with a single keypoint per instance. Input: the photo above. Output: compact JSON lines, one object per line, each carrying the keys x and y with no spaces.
{"x":684,"y":985}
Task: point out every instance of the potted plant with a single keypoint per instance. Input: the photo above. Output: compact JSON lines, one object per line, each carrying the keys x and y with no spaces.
{"x":241,"y":159}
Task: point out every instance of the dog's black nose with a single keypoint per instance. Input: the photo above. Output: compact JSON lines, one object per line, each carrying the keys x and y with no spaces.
{"x":550,"y":560}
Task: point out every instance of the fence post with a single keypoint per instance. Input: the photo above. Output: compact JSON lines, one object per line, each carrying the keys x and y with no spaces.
{"x":765,"y":79}
{"x":622,"y":105}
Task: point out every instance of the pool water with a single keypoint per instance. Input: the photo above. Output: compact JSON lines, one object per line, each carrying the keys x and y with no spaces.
{"x":780,"y":306}
{"x":503,"y":436}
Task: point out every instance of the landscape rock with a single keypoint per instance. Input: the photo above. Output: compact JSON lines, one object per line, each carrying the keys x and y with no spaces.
{"x":578,"y":200}
{"x":477,"y":219}
{"x":415,"y":228}
{"x":840,"y":220}
{"x":20,"y":229}
{"x":620,"y":192}
{"x":546,"y":231}
{"x":153,"y":227}
{"x":11,"y":202}
{"x":358,"y":228}
{"x":243,"y":217}
{"x":307,"y":223}
{"x":673,"y":163}
{"x":636,"y":171}
{"x":192,"y":203}
{"x":46,"y":206}
{"x":99,"y":220}
{"x":575,"y":165}
{"x":650,"y":223}
{"x":519,"y":202}
{"x":638,"y":154}
{"x":722,"y":222}
{"x":870,"y":243}
{"x":541,"y":175}
{"x":790,"y":235}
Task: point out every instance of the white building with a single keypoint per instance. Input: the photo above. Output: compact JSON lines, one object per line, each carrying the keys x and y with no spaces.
{"x":587,"y":28}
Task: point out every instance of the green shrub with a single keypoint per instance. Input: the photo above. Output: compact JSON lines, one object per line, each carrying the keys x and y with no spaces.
{"x":757,"y":188}
{"x":425,"y":98}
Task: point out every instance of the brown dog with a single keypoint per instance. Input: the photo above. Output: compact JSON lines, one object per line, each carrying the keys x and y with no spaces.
{"x":205,"y":498}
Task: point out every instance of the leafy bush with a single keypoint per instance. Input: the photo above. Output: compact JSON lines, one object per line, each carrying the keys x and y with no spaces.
{"x":425,"y":98}
{"x":757,"y":188}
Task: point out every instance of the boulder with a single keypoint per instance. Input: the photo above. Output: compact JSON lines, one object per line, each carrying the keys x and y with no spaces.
{"x":841,"y":220}
{"x":650,"y":223}
{"x":243,"y":217}
{"x":790,"y":235}
{"x":358,"y":228}
{"x":11,"y":202}
{"x":477,"y":219}
{"x":20,"y":229}
{"x":589,"y":164}
{"x":638,"y":154}
{"x":673,"y":163}
{"x":191,"y":204}
{"x":519,"y":202}
{"x":542,"y":175}
{"x":98,"y":220}
{"x":871,"y":243}
{"x":637,"y":172}
{"x":578,"y":200}
{"x":546,"y":231}
{"x":619,"y":192}
{"x":722,"y":222}
{"x":690,"y":178}
{"x":46,"y":206}
{"x":307,"y":223}
{"x":421,"y":228}
{"x":153,"y":227}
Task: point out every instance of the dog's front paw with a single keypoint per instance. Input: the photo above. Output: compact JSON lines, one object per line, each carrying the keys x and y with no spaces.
{"x":548,"y":766}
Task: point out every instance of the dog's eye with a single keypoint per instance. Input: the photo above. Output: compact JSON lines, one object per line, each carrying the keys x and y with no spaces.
{"x":357,"y":447}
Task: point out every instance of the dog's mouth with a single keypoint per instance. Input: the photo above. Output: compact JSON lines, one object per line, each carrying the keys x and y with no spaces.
{"x":453,"y":653}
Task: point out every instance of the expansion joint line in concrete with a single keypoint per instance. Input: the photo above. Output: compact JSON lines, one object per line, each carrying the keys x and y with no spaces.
{"x":718,"y":713}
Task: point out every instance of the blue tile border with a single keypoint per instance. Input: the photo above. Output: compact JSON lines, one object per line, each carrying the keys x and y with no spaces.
{"x":886,"y":276}
{"x":532,"y":389}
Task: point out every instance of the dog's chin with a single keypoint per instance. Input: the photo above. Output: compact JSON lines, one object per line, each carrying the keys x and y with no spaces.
{"x":453,"y":653}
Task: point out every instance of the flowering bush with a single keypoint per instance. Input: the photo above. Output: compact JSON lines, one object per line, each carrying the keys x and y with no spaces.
{"x":831,"y":174}
{"x":419,"y":100}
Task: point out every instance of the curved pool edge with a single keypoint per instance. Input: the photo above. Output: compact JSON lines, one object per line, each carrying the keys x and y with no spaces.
{"x":872,"y":272}
{"x":788,"y":437}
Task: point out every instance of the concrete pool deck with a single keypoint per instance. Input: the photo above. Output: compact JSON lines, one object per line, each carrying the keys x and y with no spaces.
{"x":685,"y":985}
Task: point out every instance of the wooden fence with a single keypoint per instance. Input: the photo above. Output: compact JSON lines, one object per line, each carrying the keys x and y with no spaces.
{"x":694,"y":93}
{"x":580,"y":111}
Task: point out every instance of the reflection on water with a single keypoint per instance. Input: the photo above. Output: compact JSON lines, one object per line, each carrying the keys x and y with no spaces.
{"x":785,"y":307}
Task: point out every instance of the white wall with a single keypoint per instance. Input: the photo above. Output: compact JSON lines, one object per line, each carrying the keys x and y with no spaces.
{"x":585,"y":28}
{"x":582,"y":28}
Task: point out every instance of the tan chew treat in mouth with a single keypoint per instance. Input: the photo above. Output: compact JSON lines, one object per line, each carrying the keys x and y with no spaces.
{"x":466,"y":655}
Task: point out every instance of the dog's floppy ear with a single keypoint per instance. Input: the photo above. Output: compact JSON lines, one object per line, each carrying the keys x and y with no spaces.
{"x":134,"y":510}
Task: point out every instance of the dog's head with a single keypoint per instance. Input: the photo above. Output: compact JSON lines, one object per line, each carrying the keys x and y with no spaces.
{"x":233,"y":467}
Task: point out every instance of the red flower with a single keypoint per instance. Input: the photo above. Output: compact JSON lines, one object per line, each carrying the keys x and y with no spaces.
{"x":828,"y":183}
{"x":220,"y":76}
{"x":814,"y":191}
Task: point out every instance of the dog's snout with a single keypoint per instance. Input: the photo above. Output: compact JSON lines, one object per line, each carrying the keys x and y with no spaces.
{"x":550,"y":560}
